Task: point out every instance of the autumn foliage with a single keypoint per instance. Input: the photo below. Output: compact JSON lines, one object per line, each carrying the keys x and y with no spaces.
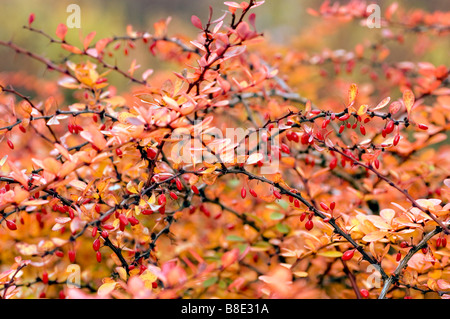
{"x":355,"y":203}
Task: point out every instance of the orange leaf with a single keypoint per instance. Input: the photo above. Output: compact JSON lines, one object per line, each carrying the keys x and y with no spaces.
{"x":408,"y":99}
{"x":71,"y":48}
{"x":88,"y":39}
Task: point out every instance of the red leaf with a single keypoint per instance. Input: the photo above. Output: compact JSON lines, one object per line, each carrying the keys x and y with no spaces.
{"x":196,"y":22}
{"x":31,"y":19}
{"x":61,"y":31}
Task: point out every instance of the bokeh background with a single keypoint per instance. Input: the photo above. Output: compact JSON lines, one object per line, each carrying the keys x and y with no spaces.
{"x":280,"y":20}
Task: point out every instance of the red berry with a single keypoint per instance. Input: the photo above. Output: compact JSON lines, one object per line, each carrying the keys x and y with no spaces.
{"x":59,"y":253}
{"x":96,"y":244}
{"x":179,"y":185}
{"x":11,"y":225}
{"x":423,"y":127}
{"x":348,"y":254}
{"x":72,"y":256}
{"x":62,"y":295}
{"x":305,"y":138}
{"x":325,"y":123}
{"x":133,"y":221}
{"x":147,"y":212}
{"x":243,"y":192}
{"x":277,"y":194}
{"x":95,"y":118}
{"x":438,"y":242}
{"x":205,"y":210}
{"x":399,"y":256}
{"x":344,"y":117}
{"x":444,"y":242}
{"x":424,"y":250}
{"x":285,"y":149}
{"x":195,"y":189}
{"x":341,"y":128}
{"x":104,"y":234}
{"x":390,"y":127}
{"x":364,"y":293}
{"x":173,"y":195}
{"x":154,"y":285}
{"x":309,"y":225}
{"x":10,"y":144}
{"x":302,"y":217}
{"x":324,"y":206}
{"x":119,"y":152}
{"x":253,"y":193}
{"x":151,"y":153}
{"x":332,"y":205}
{"x":162,"y":199}
{"x":123,"y":219}
{"x":42,"y":295}
{"x":98,"y":256}
{"x":45,"y":277}
{"x":22,"y":129}
{"x":333,"y":163}
{"x":403,"y":244}
{"x":108,"y":226}
{"x":297,"y":203}
{"x":376,"y":162}
{"x":396,"y":139}
{"x":362,"y":129}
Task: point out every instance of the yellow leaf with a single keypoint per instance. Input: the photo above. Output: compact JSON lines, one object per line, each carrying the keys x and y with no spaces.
{"x":106,"y":288}
{"x":115,"y":101}
{"x":122,"y":273}
{"x":374,"y":236}
{"x":352,"y":93}
{"x":301,"y":274}
{"x":36,"y":202}
{"x":171,"y":103}
{"x":330,"y":253}
{"x":363,"y":109}
{"x":3,"y":160}
{"x":148,"y":278}
{"x":131,"y":188}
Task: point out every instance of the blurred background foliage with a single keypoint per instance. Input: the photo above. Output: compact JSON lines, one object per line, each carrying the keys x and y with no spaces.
{"x":281,"y":21}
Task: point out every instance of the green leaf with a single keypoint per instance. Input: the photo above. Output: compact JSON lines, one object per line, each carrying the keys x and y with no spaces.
{"x":233,"y":183}
{"x":283,"y":204}
{"x":210,"y":281}
{"x":282,"y":228}
{"x":276,"y":216}
{"x":262,"y":246}
{"x":330,"y":253}
{"x":242,"y":247}
{"x":256,"y":218}
{"x":222,"y":284}
{"x":234,"y":238}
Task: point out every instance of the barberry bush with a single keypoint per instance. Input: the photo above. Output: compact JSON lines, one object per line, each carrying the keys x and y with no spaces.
{"x":250,"y":170}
